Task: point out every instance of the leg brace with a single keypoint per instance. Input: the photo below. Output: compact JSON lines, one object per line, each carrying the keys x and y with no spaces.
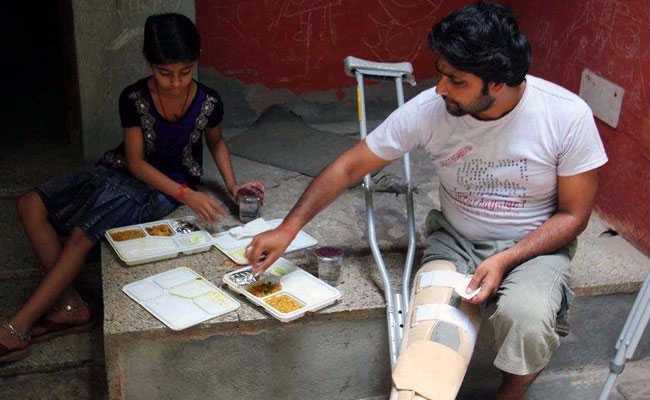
{"x":439,"y":337}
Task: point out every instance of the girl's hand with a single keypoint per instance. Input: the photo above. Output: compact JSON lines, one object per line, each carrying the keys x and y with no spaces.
{"x":206,"y":207}
{"x":255,"y":188}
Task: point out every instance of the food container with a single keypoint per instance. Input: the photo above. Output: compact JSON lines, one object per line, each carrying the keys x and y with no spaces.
{"x":180,"y":298}
{"x":235,"y":248}
{"x":158,"y":240}
{"x":299,"y":291}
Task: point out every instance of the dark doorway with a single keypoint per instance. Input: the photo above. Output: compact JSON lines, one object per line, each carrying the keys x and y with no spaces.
{"x":42,"y":123}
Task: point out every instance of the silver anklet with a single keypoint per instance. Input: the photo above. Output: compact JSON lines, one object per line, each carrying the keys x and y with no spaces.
{"x":25,"y":337}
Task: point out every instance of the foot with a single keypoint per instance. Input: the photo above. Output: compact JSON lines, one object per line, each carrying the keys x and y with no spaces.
{"x":71,"y":317}
{"x":71,"y":313}
{"x":12,"y":347}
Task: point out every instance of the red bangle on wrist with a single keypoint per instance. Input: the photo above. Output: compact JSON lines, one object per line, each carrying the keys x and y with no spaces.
{"x":181,"y":192}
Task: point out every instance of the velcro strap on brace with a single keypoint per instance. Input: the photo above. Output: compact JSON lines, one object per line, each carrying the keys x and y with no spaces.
{"x":451,"y":279}
{"x":439,"y":278}
{"x":446,"y":313}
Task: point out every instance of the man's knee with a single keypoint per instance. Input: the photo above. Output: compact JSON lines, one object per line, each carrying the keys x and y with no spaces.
{"x":30,"y":205}
{"x":530,"y":318}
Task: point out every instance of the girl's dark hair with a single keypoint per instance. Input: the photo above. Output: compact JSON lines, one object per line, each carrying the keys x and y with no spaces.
{"x":170,"y":38}
{"x":484,"y":39}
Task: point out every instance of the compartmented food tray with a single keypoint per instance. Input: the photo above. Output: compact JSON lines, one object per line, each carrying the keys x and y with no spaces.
{"x":158,"y":240}
{"x":295,"y":293}
{"x":234,"y":248}
{"x":180,"y":298}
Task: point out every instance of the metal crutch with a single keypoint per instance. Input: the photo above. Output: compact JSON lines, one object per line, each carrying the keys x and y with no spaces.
{"x":396,"y":303}
{"x":635,"y":325}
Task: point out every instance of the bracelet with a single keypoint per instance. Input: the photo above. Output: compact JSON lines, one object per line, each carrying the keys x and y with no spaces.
{"x":181,"y":192}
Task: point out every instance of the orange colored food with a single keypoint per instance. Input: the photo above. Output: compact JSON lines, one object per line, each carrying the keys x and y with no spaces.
{"x":128,"y":234}
{"x":261,"y":289}
{"x":160,"y":230}
{"x":284,"y":303}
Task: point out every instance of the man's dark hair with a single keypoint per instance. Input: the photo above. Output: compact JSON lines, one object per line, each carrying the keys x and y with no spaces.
{"x":484,"y":39}
{"x":170,"y":38}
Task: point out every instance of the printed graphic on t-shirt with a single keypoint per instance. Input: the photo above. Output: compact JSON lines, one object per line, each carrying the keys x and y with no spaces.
{"x":492,"y":188}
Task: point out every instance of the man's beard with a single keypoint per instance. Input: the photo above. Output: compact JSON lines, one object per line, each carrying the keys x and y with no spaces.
{"x":482,"y":103}
{"x":479,"y":105}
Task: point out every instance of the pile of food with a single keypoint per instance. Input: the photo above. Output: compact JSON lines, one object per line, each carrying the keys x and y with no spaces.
{"x":160,"y":230}
{"x":261,"y":289}
{"x":284,"y":303}
{"x":128,"y":234}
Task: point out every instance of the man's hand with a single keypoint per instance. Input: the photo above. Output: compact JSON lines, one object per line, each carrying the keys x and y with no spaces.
{"x":488,"y":276}
{"x":267,"y":247}
{"x":206,"y":207}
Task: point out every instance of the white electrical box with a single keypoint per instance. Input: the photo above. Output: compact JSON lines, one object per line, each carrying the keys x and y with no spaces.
{"x":604,"y":97}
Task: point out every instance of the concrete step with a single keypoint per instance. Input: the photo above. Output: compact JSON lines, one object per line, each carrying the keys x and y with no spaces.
{"x":18,"y":259}
{"x":86,"y":382}
{"x":574,"y":384}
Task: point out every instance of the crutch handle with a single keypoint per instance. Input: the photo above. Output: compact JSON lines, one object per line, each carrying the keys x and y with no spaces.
{"x":379,"y":69}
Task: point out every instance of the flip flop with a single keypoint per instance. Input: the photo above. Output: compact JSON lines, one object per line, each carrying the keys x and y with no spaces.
{"x":11,"y":355}
{"x":46,"y":329}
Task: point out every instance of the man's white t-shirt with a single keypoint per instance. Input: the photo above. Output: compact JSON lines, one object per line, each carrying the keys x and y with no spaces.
{"x":498,"y":179}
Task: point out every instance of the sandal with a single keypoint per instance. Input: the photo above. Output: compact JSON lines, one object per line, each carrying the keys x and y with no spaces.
{"x":11,"y":355}
{"x":46,"y":329}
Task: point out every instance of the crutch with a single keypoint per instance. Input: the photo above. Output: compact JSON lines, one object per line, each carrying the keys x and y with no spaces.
{"x":636,"y":323}
{"x":396,"y":303}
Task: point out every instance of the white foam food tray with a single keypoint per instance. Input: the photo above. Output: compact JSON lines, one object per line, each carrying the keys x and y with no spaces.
{"x":234,"y":248}
{"x":180,"y":298}
{"x":149,"y":247}
{"x":311,"y":292}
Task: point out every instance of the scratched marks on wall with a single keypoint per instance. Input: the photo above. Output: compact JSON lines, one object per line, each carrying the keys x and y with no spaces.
{"x":300,"y":44}
{"x":606,"y":36}
{"x":611,"y":37}
{"x":398,"y":28}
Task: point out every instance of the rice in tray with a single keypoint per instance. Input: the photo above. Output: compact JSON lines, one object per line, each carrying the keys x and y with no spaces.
{"x":284,"y":303}
{"x":128,"y":234}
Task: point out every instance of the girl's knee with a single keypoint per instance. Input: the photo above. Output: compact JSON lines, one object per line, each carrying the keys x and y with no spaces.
{"x":30,"y":205}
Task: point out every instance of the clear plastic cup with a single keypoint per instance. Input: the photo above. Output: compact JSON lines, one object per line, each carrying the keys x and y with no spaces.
{"x":249,"y":208}
{"x":330,"y":261}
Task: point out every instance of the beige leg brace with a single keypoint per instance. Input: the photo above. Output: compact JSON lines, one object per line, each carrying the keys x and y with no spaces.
{"x":439,"y":337}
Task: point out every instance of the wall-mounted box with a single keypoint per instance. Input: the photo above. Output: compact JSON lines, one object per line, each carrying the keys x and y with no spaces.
{"x":604,"y":97}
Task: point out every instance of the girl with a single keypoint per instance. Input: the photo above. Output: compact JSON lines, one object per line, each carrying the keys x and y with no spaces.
{"x":150,"y":174}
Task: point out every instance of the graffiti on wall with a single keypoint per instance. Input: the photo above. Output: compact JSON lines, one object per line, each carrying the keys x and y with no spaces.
{"x":603,"y":35}
{"x":300,"y":44}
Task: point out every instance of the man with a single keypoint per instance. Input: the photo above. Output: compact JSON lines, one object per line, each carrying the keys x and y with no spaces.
{"x":517,"y":159}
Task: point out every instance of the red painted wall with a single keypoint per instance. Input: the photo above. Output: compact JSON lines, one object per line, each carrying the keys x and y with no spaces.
{"x":612,"y":38}
{"x":300,"y":44}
